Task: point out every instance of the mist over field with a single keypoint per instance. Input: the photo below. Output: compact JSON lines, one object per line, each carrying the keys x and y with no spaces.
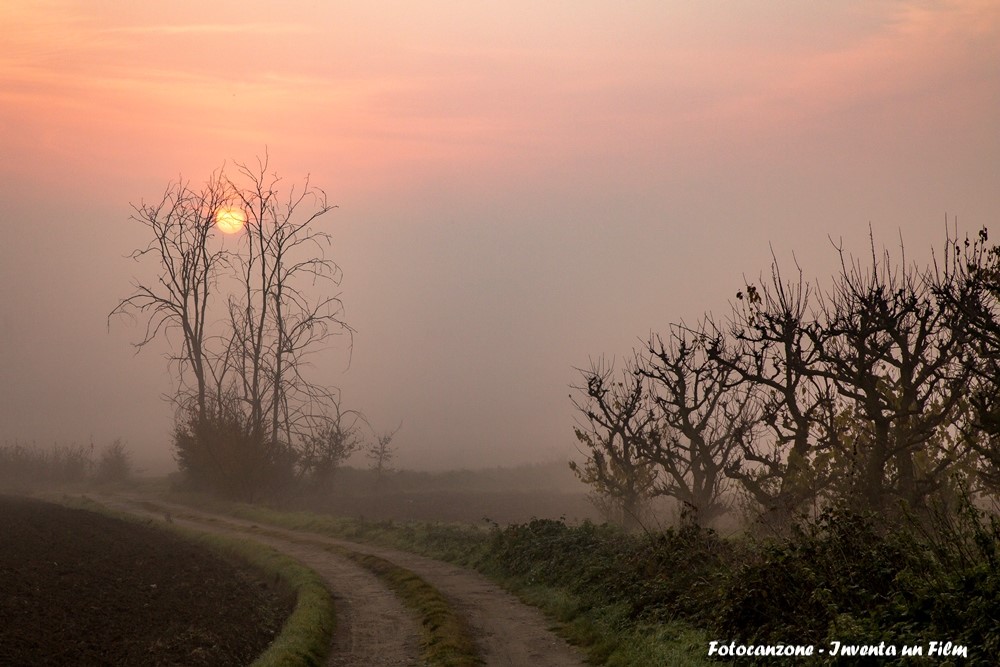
{"x":514,"y":333}
{"x":519,"y":189}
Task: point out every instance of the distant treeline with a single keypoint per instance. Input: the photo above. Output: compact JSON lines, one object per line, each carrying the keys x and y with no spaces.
{"x":25,"y":465}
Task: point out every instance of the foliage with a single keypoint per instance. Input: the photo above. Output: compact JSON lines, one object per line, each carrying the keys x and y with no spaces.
{"x":656,"y":576}
{"x":851,"y":578}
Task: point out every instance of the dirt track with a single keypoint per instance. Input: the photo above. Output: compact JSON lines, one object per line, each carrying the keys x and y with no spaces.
{"x":373,"y":627}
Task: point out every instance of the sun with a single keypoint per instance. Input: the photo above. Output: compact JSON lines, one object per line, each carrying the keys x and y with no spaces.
{"x":230,"y":220}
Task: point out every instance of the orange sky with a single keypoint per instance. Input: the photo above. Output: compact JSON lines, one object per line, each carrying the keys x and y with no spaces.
{"x":378,"y":92}
{"x":521,"y":185}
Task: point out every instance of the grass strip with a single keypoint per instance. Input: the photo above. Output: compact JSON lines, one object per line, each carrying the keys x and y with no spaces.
{"x":306,"y":635}
{"x":447,"y":638}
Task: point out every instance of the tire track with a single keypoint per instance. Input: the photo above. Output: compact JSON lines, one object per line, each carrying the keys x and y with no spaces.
{"x":507,"y":632}
{"x":372,"y":627}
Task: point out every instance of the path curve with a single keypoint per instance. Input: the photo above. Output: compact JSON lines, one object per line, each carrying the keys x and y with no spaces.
{"x":507,"y":632}
{"x":373,"y":627}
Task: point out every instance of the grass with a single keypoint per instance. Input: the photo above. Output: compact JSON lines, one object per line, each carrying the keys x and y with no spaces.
{"x":447,"y":640}
{"x":608,"y":631}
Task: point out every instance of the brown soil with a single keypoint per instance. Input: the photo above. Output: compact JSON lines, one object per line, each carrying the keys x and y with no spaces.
{"x":80,"y":588}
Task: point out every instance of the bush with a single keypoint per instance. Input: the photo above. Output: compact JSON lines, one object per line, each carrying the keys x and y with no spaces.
{"x":656,"y":577}
{"x":220,"y":453}
{"x":796,"y":587}
{"x":115,"y":464}
{"x":847,"y":577}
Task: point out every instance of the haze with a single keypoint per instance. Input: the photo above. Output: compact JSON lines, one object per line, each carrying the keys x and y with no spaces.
{"x":521,"y":186}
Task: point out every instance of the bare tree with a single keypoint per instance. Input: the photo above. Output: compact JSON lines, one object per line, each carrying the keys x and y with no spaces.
{"x":705,"y":421}
{"x":885,"y":344}
{"x":767,"y":346}
{"x":331,"y":441}
{"x":618,"y":421}
{"x":282,"y":314}
{"x":245,"y":367}
{"x":380,"y":453}
{"x":184,"y":251}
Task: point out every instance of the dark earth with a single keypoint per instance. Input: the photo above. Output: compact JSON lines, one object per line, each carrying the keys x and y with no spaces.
{"x":80,"y":588}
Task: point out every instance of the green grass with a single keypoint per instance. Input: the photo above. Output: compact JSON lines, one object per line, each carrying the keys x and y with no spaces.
{"x":447,"y":639}
{"x":608,"y":632}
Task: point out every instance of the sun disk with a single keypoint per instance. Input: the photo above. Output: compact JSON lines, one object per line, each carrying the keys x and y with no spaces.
{"x":230,"y":220}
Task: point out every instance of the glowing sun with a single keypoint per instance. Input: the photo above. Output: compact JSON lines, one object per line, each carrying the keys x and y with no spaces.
{"x":230,"y":220}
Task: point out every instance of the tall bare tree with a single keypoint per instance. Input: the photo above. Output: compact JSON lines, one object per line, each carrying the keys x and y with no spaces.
{"x":251,"y":412}
{"x":188,"y":260}
{"x":284,"y":311}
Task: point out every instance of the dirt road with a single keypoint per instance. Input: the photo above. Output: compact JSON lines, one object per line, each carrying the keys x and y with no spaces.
{"x":379,"y":631}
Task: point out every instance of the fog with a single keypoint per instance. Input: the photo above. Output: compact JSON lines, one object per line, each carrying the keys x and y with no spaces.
{"x":519,"y":189}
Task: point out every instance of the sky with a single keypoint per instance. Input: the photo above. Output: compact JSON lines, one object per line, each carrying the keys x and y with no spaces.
{"x":521,"y":187}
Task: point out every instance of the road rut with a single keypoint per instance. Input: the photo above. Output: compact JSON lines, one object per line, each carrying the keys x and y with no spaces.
{"x":507,"y":632}
{"x":373,"y":627}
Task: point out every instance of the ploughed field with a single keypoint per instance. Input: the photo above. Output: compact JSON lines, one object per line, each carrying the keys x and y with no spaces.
{"x":80,"y":588}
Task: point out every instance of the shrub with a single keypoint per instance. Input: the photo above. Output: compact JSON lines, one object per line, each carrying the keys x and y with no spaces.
{"x":655,"y":577}
{"x":115,"y":464}
{"x":847,"y":577}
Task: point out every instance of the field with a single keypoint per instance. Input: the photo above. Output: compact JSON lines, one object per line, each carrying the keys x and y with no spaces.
{"x":422,"y":567}
{"x":80,"y":588}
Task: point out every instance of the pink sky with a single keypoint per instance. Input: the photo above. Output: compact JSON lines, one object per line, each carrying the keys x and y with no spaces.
{"x":521,"y":185}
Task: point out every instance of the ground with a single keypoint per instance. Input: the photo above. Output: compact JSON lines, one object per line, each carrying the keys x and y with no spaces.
{"x":80,"y":588}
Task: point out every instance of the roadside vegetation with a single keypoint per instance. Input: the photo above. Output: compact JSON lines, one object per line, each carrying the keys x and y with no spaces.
{"x":633,"y":598}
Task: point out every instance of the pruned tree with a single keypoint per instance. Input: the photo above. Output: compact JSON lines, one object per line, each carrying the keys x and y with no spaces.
{"x":968,"y":289}
{"x":618,"y":420}
{"x":886,"y":345}
{"x":767,"y":346}
{"x":705,"y":421}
